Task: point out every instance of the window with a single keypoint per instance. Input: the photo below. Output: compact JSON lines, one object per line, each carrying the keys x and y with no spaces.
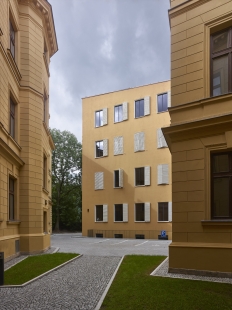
{"x":162,"y":174}
{"x":221,"y":62}
{"x":161,"y":142}
{"x":118,"y":178}
{"x":101,"y":148}
{"x":142,"y":212}
{"x":12,"y":118}
{"x":101,"y":213}
{"x":118,"y":113}
{"x":99,"y":180}
{"x":44,"y":172}
{"x":101,"y":118}
{"x":139,"y":141}
{"x":45,"y":108}
{"x":45,"y":230}
{"x":11,"y":199}
{"x":163,"y":211}
{"x":221,"y":186}
{"x":142,"y":176}
{"x":121,"y":212}
{"x":118,"y":145}
{"x":142,"y":107}
{"x":162,"y":101}
{"x":12,"y":40}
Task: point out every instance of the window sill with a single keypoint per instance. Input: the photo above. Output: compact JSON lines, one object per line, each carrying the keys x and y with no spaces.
{"x":100,"y":222}
{"x":142,"y":221}
{"x":45,"y":190}
{"x":164,"y":221}
{"x":12,"y":222}
{"x":216,"y":222}
{"x":162,"y":112}
{"x":118,"y":187}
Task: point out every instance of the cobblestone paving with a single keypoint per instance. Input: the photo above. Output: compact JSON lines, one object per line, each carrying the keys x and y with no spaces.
{"x":162,"y":271}
{"x":78,"y":285}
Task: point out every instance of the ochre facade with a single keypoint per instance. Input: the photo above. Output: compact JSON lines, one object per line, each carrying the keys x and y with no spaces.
{"x":129,"y":141}
{"x":200,"y":136}
{"x":27,"y":41}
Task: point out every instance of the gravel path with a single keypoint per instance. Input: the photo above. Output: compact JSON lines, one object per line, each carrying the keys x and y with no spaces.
{"x":78,"y":285}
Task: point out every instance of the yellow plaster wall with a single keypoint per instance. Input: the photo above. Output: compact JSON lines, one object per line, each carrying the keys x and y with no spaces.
{"x":128,"y":161}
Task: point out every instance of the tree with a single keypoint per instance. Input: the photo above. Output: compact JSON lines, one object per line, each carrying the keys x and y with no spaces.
{"x":66,"y":180}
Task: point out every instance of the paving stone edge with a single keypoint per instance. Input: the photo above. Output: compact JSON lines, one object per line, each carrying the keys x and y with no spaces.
{"x":108,"y":286}
{"x":42,"y":275}
{"x":160,"y":266}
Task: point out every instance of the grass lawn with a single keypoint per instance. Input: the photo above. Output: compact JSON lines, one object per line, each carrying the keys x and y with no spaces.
{"x":133,"y":288}
{"x":33,"y":266}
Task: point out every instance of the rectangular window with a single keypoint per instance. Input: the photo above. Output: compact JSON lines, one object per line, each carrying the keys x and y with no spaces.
{"x":118,"y":145}
{"x":99,"y":148}
{"x":44,"y":172}
{"x":162,"y":174}
{"x":99,"y":118}
{"x":221,"y":186}
{"x":12,"y":118}
{"x":221,"y":62}
{"x":12,"y":40}
{"x":161,"y":142}
{"x":101,"y":213}
{"x":162,"y":102}
{"x":163,"y":212}
{"x":139,"y":212}
{"x":45,"y":230}
{"x":142,"y":176}
{"x":99,"y":180}
{"x":45,"y":108}
{"x":118,"y":178}
{"x":11,"y":199}
{"x":118,"y":213}
{"x":139,"y":141}
{"x":139,"y":108}
{"x":118,"y":113}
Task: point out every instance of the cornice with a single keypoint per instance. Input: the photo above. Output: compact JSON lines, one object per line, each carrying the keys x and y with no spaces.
{"x":185,"y":7}
{"x":10,"y":153}
{"x":44,"y":8}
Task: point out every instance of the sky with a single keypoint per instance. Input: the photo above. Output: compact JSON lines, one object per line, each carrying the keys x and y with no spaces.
{"x":104,"y":46}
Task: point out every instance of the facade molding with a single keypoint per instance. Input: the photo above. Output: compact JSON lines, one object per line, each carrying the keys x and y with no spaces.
{"x":185,"y":7}
{"x":10,"y":153}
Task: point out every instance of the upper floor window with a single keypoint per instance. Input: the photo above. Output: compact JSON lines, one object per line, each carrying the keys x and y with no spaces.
{"x":44,"y":172}
{"x":11,"y":199}
{"x":101,"y":117}
{"x":44,"y":108}
{"x":118,"y":113}
{"x":221,"y":185}
{"x":12,"y":40}
{"x":162,"y":102}
{"x":142,"y":107}
{"x":221,"y":62}
{"x":12,"y":118}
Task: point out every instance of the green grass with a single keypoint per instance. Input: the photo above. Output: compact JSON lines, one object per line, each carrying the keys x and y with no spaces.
{"x":33,"y":266}
{"x":133,"y":288}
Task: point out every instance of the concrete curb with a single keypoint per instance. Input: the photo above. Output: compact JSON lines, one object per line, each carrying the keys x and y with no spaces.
{"x":108,"y":286}
{"x":40,"y":276}
{"x":157,"y":268}
{"x":56,"y":250}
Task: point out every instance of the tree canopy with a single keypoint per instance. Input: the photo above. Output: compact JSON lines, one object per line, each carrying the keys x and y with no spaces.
{"x":66,"y":181}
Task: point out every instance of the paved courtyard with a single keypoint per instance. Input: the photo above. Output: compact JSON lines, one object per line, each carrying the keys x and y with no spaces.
{"x":109,"y":247}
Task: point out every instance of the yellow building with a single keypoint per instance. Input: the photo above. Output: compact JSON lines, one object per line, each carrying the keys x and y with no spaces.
{"x":27,"y":41}
{"x":126,"y":183}
{"x":200,"y":136}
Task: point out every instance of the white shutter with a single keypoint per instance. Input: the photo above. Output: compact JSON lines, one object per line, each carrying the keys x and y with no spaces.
{"x":105,"y":147}
{"x":125,"y":111}
{"x":170,"y":211}
{"x":120,"y":177}
{"x":136,"y":142}
{"x":141,"y":141}
{"x":118,"y":145}
{"x":169,"y":99}
{"x":125,"y":212}
{"x":147,"y":211}
{"x":147,"y":105}
{"x":147,"y":172}
{"x":104,"y":116}
{"x":162,"y":174}
{"x":161,"y":142}
{"x":99,"y":180}
{"x":105,"y":213}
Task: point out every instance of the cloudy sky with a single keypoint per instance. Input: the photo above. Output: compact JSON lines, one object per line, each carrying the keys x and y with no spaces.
{"x":105,"y":45}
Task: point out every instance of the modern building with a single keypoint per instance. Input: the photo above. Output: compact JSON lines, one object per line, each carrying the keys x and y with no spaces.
{"x":126,"y":183}
{"x":200,"y":136}
{"x":27,"y":41}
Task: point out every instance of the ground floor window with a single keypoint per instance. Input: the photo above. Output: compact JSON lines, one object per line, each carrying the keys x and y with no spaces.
{"x":118,"y":212}
{"x":45,"y":222}
{"x":162,"y":211}
{"x":99,"y":213}
{"x":11,"y":199}
{"x":139,"y":212}
{"x":221,"y":185}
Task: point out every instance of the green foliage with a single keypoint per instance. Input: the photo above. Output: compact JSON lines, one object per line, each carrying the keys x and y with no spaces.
{"x":66,"y":181}
{"x":33,"y":266}
{"x":134,"y":288}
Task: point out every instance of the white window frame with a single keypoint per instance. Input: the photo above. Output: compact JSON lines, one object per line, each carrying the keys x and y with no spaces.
{"x":147,"y":212}
{"x":168,"y":101}
{"x":124,"y":112}
{"x":146,"y":106}
{"x":169,"y":212}
{"x":105,"y":214}
{"x":163,"y":174}
{"x":147,"y":176}
{"x":161,"y":142}
{"x":124,"y":213}
{"x":139,"y":142}
{"x":120,"y":178}
{"x":118,"y":143}
{"x":99,"y":177}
